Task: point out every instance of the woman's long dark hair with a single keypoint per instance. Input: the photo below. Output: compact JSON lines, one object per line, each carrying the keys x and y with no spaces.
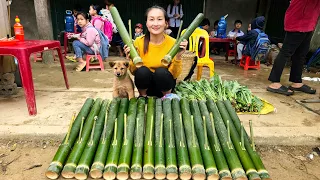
{"x":178,"y":5}
{"x":147,"y":35}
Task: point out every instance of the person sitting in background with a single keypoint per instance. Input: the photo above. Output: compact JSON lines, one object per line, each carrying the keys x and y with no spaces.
{"x":237,"y":30}
{"x":213,"y":33}
{"x":138,"y":31}
{"x":96,"y":19}
{"x":249,"y":28}
{"x":250,"y":37}
{"x":88,"y":42}
{"x":77,"y":8}
{"x":205,"y":24}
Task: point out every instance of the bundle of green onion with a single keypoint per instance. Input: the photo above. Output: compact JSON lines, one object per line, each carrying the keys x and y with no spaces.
{"x":240,"y":96}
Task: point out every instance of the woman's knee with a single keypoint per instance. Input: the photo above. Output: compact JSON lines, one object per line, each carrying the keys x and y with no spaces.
{"x":76,"y":43}
{"x":142,"y":72}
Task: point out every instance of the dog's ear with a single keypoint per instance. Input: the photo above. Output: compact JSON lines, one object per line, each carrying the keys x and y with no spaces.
{"x":111,"y":63}
{"x":126,"y":64}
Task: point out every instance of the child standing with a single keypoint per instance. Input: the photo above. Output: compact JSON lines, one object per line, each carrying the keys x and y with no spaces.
{"x":138,"y":30}
{"x":175,"y":14}
{"x":96,"y":19}
{"x":88,"y":42}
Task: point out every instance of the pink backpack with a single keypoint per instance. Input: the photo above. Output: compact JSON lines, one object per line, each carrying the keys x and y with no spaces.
{"x":107,"y":27}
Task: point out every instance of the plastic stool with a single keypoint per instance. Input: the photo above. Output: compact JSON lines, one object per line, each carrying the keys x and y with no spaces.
{"x":231,"y":52}
{"x":94,"y":65}
{"x":39,"y":58}
{"x":247,"y":63}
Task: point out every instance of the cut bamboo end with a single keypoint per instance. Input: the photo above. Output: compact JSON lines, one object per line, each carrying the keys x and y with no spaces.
{"x":239,"y":174}
{"x":52,"y":175}
{"x":166,"y":60}
{"x":68,"y":171}
{"x":160,"y":172}
{"x":253,"y":175}
{"x":198,"y":172}
{"x":109,"y":175}
{"x":148,"y":172}
{"x":96,"y":173}
{"x":53,"y":171}
{"x":123,"y":172}
{"x":185,"y":176}
{"x":185,"y":172}
{"x":225,"y":175}
{"x":122,"y":175}
{"x":137,"y":61}
{"x":212,"y":174}
{"x":110,"y":172}
{"x":81,"y":176}
{"x":172,"y":176}
{"x":264,"y":175}
{"x":81,"y":172}
{"x":68,"y":175}
{"x":96,"y":170}
{"x":136,"y":172}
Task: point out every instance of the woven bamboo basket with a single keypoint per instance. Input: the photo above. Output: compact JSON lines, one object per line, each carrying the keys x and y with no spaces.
{"x":187,"y":62}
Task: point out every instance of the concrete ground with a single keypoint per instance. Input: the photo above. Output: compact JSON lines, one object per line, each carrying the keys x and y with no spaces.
{"x":290,"y":124}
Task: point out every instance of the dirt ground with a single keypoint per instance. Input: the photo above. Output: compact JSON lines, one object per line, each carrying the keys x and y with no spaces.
{"x":282,"y":162}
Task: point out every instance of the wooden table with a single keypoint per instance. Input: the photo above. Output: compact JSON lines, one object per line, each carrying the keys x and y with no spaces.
{"x":22,"y":51}
{"x":227,"y":41}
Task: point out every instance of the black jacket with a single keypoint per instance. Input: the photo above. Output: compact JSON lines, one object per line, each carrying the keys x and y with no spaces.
{"x":252,"y":35}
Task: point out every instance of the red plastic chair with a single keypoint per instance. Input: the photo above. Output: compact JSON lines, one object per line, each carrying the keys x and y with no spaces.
{"x":247,"y":63}
{"x":94,"y":65}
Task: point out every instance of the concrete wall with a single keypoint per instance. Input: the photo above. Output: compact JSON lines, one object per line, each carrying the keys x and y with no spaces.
{"x":26,"y":12}
{"x":237,"y":9}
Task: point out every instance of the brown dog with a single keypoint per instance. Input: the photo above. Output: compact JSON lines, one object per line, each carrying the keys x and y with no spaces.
{"x":122,"y":84}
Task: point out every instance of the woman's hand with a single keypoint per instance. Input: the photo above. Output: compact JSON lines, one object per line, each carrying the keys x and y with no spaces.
{"x":127,"y":51}
{"x":183,"y":47}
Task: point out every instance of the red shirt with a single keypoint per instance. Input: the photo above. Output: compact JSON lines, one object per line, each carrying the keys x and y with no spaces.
{"x":302,"y":15}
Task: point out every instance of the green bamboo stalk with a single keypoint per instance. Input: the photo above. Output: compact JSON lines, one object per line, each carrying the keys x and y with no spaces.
{"x":170,"y":149}
{"x":243,"y":154}
{"x":160,"y":161}
{"x":110,"y":168}
{"x":181,"y":144}
{"x":201,"y":130}
{"x":136,"y":160}
{"x":65,"y":147}
{"x":148,"y":158}
{"x":198,"y":171}
{"x":102,"y":151}
{"x":235,"y":165}
{"x":75,"y":155}
{"x":126,"y":150}
{"x":87,"y":156}
{"x":176,"y":47}
{"x":224,"y":172}
{"x":125,"y":36}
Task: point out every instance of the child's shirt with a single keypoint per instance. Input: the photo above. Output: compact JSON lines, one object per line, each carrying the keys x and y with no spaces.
{"x":171,"y":11}
{"x":235,"y":33}
{"x":137,"y":35}
{"x":152,"y":59}
{"x":90,"y":36}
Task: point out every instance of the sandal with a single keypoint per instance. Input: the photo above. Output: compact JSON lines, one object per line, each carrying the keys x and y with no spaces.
{"x":282,"y":90}
{"x":80,"y":67}
{"x":71,"y":58}
{"x":304,"y":88}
